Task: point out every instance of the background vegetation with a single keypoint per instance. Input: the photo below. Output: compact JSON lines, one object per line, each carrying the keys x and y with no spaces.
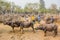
{"x":10,"y":7}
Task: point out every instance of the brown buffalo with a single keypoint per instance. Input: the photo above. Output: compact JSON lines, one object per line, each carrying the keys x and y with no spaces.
{"x":49,"y":28}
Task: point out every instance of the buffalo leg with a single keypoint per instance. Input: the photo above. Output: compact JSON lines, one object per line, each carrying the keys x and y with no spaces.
{"x":33,"y":29}
{"x":55,"y":32}
{"x":45,"y":32}
{"x":13,"y":29}
{"x":21,"y":30}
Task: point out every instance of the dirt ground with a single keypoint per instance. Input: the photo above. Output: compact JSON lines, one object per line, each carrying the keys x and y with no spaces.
{"x":6,"y":34}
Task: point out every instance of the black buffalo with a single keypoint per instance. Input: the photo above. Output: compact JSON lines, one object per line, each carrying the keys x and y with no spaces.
{"x":19,"y":24}
{"x":12,"y":24}
{"x":26,"y":25}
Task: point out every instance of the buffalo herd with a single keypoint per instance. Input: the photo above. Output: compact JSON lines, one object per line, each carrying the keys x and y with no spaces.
{"x":14,"y":20}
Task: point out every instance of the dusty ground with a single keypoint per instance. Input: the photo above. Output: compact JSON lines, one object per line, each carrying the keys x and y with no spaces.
{"x":6,"y":34}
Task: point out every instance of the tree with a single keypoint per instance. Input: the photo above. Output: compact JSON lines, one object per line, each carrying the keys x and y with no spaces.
{"x":8,"y":7}
{"x":53,"y":8}
{"x":59,"y":9}
{"x":4,"y":6}
{"x":31,"y":7}
{"x":16,"y":9}
{"x":42,"y":6}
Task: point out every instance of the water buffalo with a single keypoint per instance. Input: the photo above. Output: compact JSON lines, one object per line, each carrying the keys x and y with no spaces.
{"x":12,"y":24}
{"x":26,"y":25}
{"x":49,"y":28}
{"x":19,"y":24}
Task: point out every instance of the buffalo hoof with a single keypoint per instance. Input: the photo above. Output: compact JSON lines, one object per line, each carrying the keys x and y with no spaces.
{"x":54,"y":36}
{"x":19,"y":30}
{"x":13,"y":31}
{"x":45,"y":35}
{"x":22,"y":32}
{"x":34,"y":32}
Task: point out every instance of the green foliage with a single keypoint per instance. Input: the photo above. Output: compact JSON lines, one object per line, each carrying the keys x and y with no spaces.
{"x":59,"y":10}
{"x":53,"y":8}
{"x":30,"y":7}
{"x":4,"y":6}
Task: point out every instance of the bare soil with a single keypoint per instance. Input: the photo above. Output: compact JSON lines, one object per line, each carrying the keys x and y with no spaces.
{"x":7,"y":34}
